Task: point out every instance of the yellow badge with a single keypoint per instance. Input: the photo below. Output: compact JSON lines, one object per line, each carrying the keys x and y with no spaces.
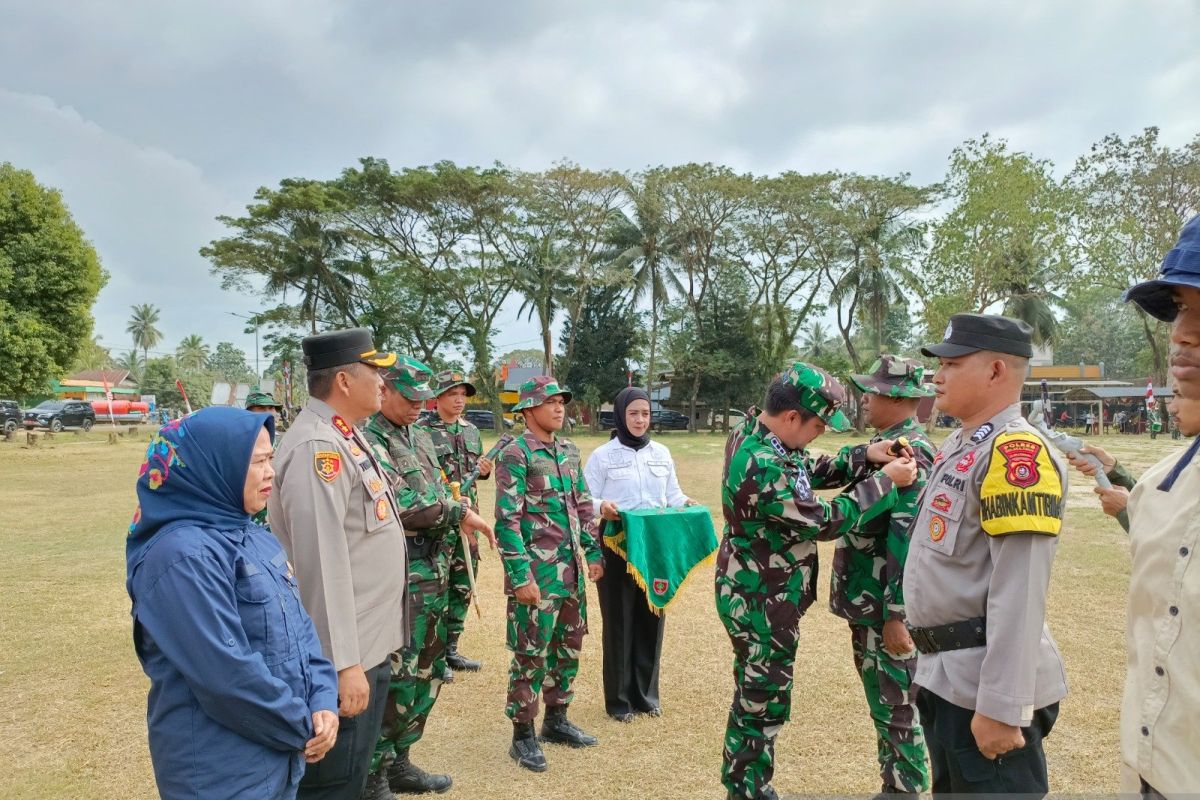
{"x":375,"y":485}
{"x":381,"y":508}
{"x":355,"y":450}
{"x":937,"y":528}
{"x":328,"y":464}
{"x":1021,"y":491}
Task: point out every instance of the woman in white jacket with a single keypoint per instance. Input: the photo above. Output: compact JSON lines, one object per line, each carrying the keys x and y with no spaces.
{"x":627,"y":473}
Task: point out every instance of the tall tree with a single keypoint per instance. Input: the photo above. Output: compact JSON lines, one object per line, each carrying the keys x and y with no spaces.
{"x":454,"y":225}
{"x":1005,"y":235}
{"x":817,"y":340}
{"x":866,"y":241}
{"x":192,"y":353}
{"x":581,"y":206}
{"x":645,"y":244}
{"x":700,"y":204}
{"x":1133,"y":197}
{"x":290,"y":244}
{"x":49,"y":278}
{"x":142,"y":328}
{"x":132,"y":363}
{"x":229,"y":363}
{"x":775,"y":242}
{"x":92,"y":355}
{"x":605,"y":337}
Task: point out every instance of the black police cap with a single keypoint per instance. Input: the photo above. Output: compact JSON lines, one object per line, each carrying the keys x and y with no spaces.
{"x":970,"y":333}
{"x":335,"y":348}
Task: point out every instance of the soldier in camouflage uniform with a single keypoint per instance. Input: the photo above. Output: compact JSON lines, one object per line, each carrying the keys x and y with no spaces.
{"x":259,"y":401}
{"x":545,"y":526}
{"x":430,"y":516}
{"x":459,"y":449}
{"x":767,"y":563}
{"x":867,"y":566}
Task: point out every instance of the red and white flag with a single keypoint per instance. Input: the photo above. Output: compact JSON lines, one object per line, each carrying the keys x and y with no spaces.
{"x":1150,"y":401}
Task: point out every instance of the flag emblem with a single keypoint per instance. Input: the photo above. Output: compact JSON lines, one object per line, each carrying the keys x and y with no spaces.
{"x":661,"y":585}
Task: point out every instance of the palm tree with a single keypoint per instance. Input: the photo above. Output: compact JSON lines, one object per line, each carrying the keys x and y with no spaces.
{"x":878,"y":275}
{"x":540,"y":280}
{"x":192,"y":353}
{"x":131,"y":362}
{"x":312,"y":260}
{"x":648,"y":242}
{"x":1030,"y":298}
{"x":141,"y":328}
{"x":817,"y":340}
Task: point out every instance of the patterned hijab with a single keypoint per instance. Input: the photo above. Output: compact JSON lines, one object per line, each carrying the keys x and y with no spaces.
{"x":194,"y":474}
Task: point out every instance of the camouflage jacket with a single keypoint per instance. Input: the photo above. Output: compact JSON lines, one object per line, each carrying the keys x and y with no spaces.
{"x":869,"y":561}
{"x":408,"y":458}
{"x":544,"y":517}
{"x":458,"y":447}
{"x":772,"y":517}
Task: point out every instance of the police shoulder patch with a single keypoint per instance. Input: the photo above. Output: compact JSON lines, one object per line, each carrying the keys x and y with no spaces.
{"x":328,"y":464}
{"x":1021,"y":491}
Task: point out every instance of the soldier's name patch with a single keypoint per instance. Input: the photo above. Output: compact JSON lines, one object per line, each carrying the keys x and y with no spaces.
{"x":328,"y":464}
{"x":1022,"y":491}
{"x":937,"y":528}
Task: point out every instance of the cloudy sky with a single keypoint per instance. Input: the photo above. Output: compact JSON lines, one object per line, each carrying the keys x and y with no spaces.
{"x":153,"y":118}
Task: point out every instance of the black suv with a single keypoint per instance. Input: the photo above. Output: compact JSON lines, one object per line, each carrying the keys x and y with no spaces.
{"x":667,"y":420}
{"x":10,"y":415}
{"x":59,"y":414}
{"x":484,"y":420}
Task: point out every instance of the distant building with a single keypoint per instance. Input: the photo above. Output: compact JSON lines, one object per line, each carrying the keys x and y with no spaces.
{"x":89,"y":385}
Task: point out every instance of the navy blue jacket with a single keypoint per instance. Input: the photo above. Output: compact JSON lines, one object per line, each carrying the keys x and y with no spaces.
{"x":235,"y":666}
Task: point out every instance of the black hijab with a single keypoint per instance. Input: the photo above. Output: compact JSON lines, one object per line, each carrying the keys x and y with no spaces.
{"x":624,"y":398}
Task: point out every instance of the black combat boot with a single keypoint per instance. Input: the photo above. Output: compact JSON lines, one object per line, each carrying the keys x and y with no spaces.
{"x":405,"y":777}
{"x":447,"y":674}
{"x":888,"y":790}
{"x":376,"y":788}
{"x":456,"y":660}
{"x":558,"y":729}
{"x":525,"y":748}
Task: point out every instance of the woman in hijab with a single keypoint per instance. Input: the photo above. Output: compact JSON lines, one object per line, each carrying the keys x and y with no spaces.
{"x":627,"y":473}
{"x":240,"y":695}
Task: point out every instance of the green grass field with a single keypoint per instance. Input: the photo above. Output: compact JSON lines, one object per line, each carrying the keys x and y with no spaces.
{"x":72,"y":695}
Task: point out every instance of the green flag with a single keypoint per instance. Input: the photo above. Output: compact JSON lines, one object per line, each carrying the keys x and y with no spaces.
{"x":662,"y":547}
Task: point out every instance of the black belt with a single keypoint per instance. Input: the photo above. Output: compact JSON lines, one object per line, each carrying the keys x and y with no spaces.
{"x":954,"y":636}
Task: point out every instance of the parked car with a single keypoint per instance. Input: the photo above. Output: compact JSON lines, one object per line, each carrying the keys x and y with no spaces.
{"x":11,"y":415}
{"x":59,"y":414}
{"x":608,"y":420}
{"x":665,"y":419}
{"x":483,"y":419}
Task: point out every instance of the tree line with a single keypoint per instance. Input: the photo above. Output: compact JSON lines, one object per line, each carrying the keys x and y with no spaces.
{"x":716,"y":277}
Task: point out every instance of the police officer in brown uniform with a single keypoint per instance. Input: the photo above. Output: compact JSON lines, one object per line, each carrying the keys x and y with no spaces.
{"x":978,"y":570}
{"x":334,"y":512}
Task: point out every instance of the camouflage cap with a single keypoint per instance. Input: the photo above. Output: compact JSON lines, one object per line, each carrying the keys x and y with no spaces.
{"x":410,"y":378}
{"x":257,"y":397}
{"x":893,"y":376}
{"x":537,"y":390}
{"x":820,"y":393}
{"x":447,"y":379}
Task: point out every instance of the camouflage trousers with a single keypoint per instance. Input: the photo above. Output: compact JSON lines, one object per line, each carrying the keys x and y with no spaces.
{"x":887,"y":682}
{"x":545,"y":641}
{"x":763,"y":629}
{"x":458,"y":602}
{"x":416,"y":668}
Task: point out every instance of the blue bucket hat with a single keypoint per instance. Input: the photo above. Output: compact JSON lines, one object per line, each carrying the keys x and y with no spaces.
{"x":1181,"y":267}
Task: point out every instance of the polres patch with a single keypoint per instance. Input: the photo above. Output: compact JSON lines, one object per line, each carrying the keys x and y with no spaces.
{"x":1020,"y":461}
{"x":328,"y":464}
